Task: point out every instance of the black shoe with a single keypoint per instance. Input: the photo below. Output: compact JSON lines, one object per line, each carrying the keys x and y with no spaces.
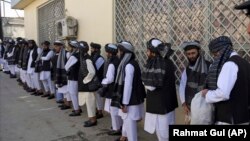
{"x":73,"y":114}
{"x":65,"y":107}
{"x":114,"y":133}
{"x":18,"y":80}
{"x":12,"y":76}
{"x":39,"y":93}
{"x":60,"y":102}
{"x":90,"y":123}
{"x":79,"y":111}
{"x":51,"y":97}
{"x":98,"y":116}
{"x":60,"y":106}
{"x":7,"y":72}
{"x":45,"y":95}
{"x":31,"y":90}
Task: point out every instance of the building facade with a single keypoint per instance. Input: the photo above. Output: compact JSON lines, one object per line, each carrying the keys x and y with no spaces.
{"x":173,"y":21}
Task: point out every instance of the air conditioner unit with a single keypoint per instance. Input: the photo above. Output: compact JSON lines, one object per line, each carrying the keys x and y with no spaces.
{"x":67,"y":28}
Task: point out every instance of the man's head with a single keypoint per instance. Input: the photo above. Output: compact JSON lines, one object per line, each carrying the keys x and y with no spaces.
{"x":11,"y":42}
{"x":73,"y":45}
{"x":83,"y":47}
{"x":245,"y":6}
{"x":24,"y":43}
{"x":95,"y":47}
{"x":111,"y":50}
{"x":219,"y":44}
{"x":32,"y":44}
{"x":154,"y":46}
{"x":192,"y":51}
{"x":125,"y":47}
{"x":58,"y":45}
{"x":45,"y":45}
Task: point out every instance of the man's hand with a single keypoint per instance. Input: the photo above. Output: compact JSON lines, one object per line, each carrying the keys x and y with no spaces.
{"x":124,"y":109}
{"x":204,"y":92}
{"x":186,"y":108}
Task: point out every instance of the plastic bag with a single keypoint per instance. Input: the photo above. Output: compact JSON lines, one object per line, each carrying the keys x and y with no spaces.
{"x":201,"y":111}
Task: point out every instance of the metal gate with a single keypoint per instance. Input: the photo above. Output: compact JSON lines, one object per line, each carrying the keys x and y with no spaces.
{"x":175,"y":21}
{"x":47,"y":16}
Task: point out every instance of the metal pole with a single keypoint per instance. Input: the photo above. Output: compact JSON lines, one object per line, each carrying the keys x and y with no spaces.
{"x":1,"y":25}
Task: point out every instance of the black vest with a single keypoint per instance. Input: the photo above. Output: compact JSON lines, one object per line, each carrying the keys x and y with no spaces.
{"x":46,"y":64}
{"x":53,"y":70}
{"x":34,"y":56}
{"x":138,"y":91}
{"x":16,"y":53}
{"x":236,"y":109}
{"x":11,"y":59}
{"x":25,"y":58}
{"x":61,"y":74}
{"x":74,"y":69}
{"x":163,"y":100}
{"x":110,"y":88}
{"x":82,"y":74}
{"x":194,"y":78}
{"x":20,"y":58}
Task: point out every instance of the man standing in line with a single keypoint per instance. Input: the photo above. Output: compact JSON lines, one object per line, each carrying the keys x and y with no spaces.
{"x":98,"y":61}
{"x":72,"y":68}
{"x":194,"y":76}
{"x":228,"y":84}
{"x":159,"y":80}
{"x":45,"y":75}
{"x":60,"y":76}
{"x":87,"y":84}
{"x":130,"y":90}
{"x":107,"y":91}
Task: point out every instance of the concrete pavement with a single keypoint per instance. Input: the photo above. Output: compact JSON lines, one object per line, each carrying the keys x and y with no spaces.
{"x":24,"y":117}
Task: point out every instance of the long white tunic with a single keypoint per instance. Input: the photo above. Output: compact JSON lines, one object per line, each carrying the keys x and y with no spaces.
{"x":158,"y":122}
{"x":110,"y":76}
{"x":135,"y":112}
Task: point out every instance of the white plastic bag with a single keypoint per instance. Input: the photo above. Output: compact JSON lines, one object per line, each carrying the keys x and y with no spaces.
{"x":201,"y":112}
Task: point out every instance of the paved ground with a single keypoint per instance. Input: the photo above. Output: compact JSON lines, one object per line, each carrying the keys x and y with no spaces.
{"x":29,"y":118}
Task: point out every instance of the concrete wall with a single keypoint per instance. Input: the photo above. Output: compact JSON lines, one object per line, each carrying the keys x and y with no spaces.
{"x":30,"y":19}
{"x":95,"y":18}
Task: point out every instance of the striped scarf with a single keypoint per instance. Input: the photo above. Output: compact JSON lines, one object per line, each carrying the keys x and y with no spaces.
{"x":216,"y":66}
{"x":61,"y":75}
{"x":119,"y":81}
{"x":154,"y":71}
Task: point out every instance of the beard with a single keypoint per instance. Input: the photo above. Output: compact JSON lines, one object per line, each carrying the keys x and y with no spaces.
{"x":193,"y":61}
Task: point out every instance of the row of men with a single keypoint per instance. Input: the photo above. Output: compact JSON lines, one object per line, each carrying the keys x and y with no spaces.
{"x":87,"y":79}
{"x":78,"y":76}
